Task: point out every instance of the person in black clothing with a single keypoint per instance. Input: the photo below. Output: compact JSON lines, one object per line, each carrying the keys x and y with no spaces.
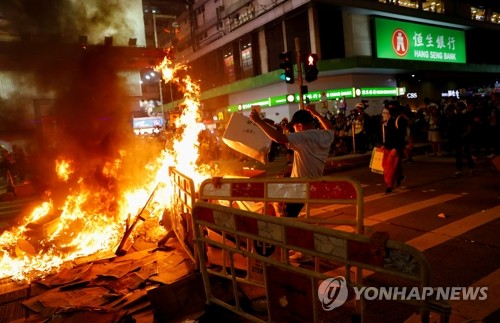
{"x":393,"y":142}
{"x":459,"y":136}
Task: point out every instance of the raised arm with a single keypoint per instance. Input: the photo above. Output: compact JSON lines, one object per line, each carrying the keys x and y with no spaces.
{"x":268,"y":129}
{"x":325,"y":123}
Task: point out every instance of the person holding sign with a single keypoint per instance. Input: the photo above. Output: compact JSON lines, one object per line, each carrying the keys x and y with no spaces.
{"x":311,"y":145}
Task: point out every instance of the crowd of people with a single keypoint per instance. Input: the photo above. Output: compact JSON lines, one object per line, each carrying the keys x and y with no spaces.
{"x":433,"y":123}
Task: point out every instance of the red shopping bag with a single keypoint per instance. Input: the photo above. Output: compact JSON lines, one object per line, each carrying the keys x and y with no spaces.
{"x":389,"y":163}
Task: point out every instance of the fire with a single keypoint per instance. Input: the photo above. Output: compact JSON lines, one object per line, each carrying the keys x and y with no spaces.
{"x":93,"y":217}
{"x":63,"y":169}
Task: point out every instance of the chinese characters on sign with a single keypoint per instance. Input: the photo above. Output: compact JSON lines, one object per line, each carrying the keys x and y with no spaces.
{"x":410,"y":41}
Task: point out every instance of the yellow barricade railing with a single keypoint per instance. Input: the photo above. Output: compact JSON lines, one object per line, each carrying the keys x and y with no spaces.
{"x":291,"y":292}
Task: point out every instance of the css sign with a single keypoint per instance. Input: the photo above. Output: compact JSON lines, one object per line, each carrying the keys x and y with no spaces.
{"x":411,"y":95}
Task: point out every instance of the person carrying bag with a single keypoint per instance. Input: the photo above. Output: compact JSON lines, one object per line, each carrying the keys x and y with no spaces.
{"x":394,"y":142}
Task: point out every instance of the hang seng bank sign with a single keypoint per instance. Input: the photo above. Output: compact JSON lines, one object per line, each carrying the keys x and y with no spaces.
{"x":408,"y":41}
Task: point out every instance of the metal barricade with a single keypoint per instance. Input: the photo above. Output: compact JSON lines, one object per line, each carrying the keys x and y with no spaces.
{"x":184,"y":197}
{"x":291,"y":292}
{"x":260,"y":194}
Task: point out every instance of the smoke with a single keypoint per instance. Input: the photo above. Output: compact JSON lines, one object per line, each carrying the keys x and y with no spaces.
{"x":69,"y":19}
{"x":80,"y":103}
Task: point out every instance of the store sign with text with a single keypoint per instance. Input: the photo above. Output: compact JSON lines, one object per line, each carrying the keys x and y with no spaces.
{"x":409,"y":41}
{"x":316,"y":96}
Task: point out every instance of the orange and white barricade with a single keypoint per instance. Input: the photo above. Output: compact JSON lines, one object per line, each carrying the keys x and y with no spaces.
{"x":263,"y":195}
{"x":293,"y":293}
{"x":180,"y":220}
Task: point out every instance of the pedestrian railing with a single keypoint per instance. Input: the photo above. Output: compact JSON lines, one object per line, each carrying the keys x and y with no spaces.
{"x":288,"y":292}
{"x":262,"y":195}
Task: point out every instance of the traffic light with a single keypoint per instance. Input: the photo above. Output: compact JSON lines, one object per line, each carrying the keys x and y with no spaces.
{"x":311,"y":69}
{"x":286,"y":64}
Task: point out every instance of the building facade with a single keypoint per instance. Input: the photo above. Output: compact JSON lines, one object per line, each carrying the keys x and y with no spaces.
{"x":233,"y":48}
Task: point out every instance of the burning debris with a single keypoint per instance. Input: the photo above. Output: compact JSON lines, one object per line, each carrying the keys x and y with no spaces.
{"x":100,"y":201}
{"x":95,"y":208}
{"x":105,"y":189}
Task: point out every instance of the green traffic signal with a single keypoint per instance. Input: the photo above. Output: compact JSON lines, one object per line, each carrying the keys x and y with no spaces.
{"x":286,"y":64}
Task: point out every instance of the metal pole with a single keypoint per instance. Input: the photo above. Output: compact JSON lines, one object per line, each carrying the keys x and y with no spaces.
{"x":299,"y":73}
{"x":154,"y":30}
{"x":171,"y":94}
{"x":161,"y":102}
{"x":353,"y":126}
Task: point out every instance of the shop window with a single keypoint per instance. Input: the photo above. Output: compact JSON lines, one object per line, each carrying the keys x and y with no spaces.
{"x":402,"y":3}
{"x":478,"y":13}
{"x":229,"y":65}
{"x":495,"y":17}
{"x":433,"y":6}
{"x":246,"y":57}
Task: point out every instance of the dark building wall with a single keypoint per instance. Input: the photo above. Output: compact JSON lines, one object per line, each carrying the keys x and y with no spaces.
{"x":480,"y":49}
{"x":331,"y":32}
{"x":297,"y":26}
{"x":274,"y":43}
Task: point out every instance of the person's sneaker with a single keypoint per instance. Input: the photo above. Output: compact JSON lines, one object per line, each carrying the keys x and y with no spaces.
{"x":491,"y":155}
{"x":401,"y":180}
{"x":388,"y":190}
{"x":458,"y":173}
{"x":297,"y":256}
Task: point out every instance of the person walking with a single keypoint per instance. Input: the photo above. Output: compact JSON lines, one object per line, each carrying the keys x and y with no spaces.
{"x":393,"y":145}
{"x":458,"y":132}
{"x":434,"y":131}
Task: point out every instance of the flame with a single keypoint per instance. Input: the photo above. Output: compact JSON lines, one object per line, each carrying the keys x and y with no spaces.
{"x":63,"y":169}
{"x":93,"y":217}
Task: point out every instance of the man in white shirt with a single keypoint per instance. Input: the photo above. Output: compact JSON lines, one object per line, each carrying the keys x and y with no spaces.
{"x":311,"y":145}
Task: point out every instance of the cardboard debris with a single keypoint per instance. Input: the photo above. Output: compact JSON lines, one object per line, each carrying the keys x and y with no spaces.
{"x":116,"y":269}
{"x":83,"y":297}
{"x":66,"y":276}
{"x":98,"y":257}
{"x":112,"y":290}
{"x":130,"y":281}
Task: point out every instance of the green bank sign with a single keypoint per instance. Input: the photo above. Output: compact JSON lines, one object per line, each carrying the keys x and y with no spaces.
{"x":404,"y":40}
{"x":316,"y":96}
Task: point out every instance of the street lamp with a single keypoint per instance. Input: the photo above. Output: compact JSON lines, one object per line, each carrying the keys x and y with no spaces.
{"x":149,"y":76}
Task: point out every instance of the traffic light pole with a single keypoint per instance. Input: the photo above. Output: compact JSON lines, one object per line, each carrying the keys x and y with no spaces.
{"x":299,"y":73}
